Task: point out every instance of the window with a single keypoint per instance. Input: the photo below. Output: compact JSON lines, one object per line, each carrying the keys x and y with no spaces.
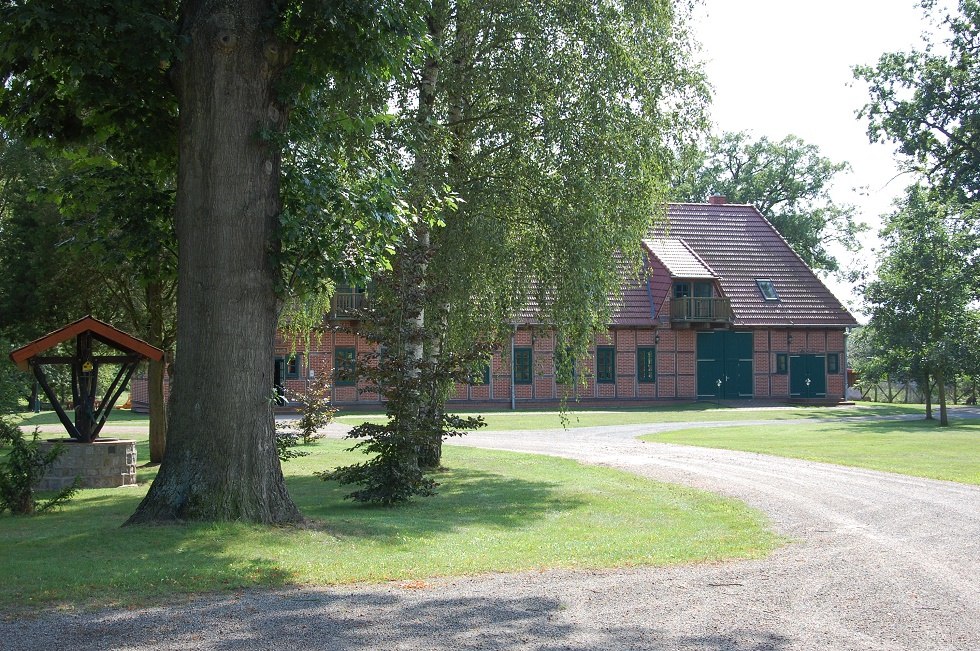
{"x":833,"y":363}
{"x":782,"y":363}
{"x":293,"y":367}
{"x":646,"y":365}
{"x":767,"y":288}
{"x":522,"y":366}
{"x":481,"y":376}
{"x":345,"y":367}
{"x":703,"y":290}
{"x":682,"y":290}
{"x":605,"y":364}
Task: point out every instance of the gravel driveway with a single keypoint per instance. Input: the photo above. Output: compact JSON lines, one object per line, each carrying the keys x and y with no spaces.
{"x":878,"y":561}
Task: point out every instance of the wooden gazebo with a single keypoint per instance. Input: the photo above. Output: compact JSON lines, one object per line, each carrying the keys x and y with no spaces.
{"x":85,"y":366}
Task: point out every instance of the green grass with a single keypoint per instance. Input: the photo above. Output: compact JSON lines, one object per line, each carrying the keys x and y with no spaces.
{"x":495,"y":512}
{"x":919,"y":448}
{"x":116,"y":417}
{"x":693,"y":413}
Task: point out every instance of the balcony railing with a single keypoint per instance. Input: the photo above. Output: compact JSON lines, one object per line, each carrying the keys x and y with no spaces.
{"x":346,"y":305}
{"x":701,"y":310}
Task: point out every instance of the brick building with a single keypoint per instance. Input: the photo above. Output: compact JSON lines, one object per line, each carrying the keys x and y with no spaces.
{"x":727,"y":311}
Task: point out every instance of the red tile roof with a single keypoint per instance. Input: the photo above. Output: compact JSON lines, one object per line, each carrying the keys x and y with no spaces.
{"x":740,"y":246}
{"x":736,"y":245}
{"x":678,"y":258}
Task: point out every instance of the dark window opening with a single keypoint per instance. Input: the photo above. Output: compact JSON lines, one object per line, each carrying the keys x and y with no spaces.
{"x":345,"y":367}
{"x":703,"y":290}
{"x":782,"y":363}
{"x":646,"y":365}
{"x":481,"y":376}
{"x":833,"y":363}
{"x":605,"y":364}
{"x":522,"y":366}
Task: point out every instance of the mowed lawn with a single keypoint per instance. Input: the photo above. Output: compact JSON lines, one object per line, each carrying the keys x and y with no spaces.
{"x":912,"y":447}
{"x":495,"y":512}
{"x":683,"y":413}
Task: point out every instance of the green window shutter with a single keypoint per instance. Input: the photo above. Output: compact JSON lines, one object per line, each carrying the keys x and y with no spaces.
{"x":646,"y":365}
{"x":522,"y":366}
{"x":605,"y":364}
{"x":345,"y":369}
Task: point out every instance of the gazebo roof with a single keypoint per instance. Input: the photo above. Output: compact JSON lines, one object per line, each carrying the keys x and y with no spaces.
{"x":99,"y":329}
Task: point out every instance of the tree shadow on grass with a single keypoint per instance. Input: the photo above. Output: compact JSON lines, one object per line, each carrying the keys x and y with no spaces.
{"x":81,"y":556}
{"x":374,"y":619}
{"x":465,"y":497}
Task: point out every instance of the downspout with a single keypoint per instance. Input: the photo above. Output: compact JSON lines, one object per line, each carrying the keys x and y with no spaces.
{"x":847,"y":333}
{"x":513,"y":390}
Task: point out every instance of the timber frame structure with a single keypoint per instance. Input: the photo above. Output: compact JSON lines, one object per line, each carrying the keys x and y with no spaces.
{"x":85,"y":365}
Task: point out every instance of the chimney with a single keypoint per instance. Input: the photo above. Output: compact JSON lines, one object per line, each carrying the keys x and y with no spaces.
{"x":717,"y":200}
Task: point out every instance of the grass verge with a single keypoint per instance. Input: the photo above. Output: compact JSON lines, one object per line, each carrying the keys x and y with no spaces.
{"x":495,"y":512}
{"x":693,"y":413}
{"x":919,"y":448}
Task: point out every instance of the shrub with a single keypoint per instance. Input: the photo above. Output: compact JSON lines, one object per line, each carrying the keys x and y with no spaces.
{"x":24,"y":466}
{"x":315,"y":410}
{"x":286,"y":439}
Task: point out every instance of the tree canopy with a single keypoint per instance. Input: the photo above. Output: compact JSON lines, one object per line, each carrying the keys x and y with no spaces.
{"x":927,"y":102}
{"x":789,"y":181}
{"x":919,"y":304}
{"x":115,"y":77}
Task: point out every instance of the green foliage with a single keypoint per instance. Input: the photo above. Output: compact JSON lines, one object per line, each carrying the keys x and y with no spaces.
{"x":286,"y":439}
{"x":555,"y":123}
{"x":927,"y":102}
{"x":415,"y":393}
{"x":788,"y":181}
{"x":315,"y":409}
{"x":920,"y":302}
{"x":24,"y":465}
{"x":13,"y":382}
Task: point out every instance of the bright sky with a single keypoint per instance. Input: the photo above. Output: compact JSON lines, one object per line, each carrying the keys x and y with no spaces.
{"x":782,"y":67}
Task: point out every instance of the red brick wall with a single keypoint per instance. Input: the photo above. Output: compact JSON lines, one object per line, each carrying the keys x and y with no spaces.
{"x":676,"y":366}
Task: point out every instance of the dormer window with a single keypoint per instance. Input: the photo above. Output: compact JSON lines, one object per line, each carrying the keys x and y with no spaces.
{"x":767,"y":288}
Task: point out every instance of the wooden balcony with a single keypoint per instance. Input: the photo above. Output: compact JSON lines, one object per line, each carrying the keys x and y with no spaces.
{"x":700,"y":310}
{"x":347,"y":305}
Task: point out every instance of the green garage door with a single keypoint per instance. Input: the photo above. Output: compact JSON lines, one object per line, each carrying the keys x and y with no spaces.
{"x":808,"y":376}
{"x":724,"y":365}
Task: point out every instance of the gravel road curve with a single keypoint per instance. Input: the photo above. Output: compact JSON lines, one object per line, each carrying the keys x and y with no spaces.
{"x":878,"y":561}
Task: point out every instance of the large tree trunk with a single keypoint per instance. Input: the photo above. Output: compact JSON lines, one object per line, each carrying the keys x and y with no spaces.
{"x":158,"y":410}
{"x":157,"y":371}
{"x":221,"y":461}
{"x":941,"y":385}
{"x":928,"y":396}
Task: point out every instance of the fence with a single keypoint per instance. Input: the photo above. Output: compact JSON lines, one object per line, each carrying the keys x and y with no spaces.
{"x":957,"y":392}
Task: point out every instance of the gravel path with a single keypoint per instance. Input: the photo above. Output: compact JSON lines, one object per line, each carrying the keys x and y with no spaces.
{"x":879,"y":561}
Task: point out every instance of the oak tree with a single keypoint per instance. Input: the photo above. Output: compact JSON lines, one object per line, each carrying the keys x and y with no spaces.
{"x":789,"y":181}
{"x":208,"y":87}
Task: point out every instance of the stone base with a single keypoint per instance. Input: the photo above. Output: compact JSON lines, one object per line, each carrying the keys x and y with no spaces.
{"x":105,"y":463}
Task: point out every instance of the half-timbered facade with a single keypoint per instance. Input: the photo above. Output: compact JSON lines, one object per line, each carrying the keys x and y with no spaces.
{"x":725,"y":311}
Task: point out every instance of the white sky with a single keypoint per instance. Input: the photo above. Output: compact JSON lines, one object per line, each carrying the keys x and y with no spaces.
{"x":782,"y":67}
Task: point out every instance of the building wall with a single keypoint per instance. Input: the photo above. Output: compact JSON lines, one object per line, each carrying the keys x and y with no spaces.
{"x":676,"y":364}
